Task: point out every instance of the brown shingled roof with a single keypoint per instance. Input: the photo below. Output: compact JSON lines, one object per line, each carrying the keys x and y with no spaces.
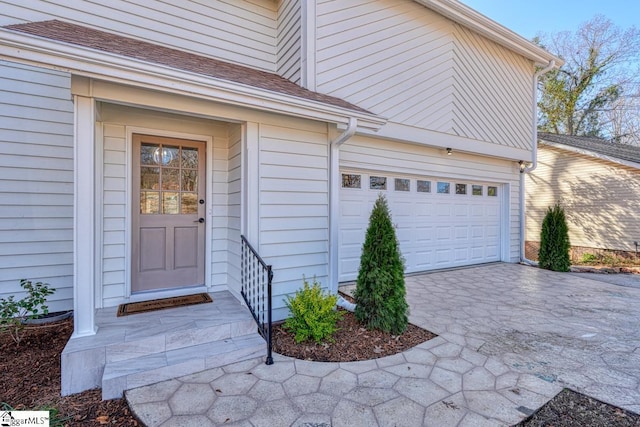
{"x":108,"y":42}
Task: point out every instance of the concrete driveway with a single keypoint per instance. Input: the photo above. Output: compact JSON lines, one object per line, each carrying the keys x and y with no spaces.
{"x":567,"y":329}
{"x":510,"y":338}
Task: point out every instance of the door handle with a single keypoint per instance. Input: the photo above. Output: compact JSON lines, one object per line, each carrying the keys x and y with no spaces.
{"x":200,"y":220}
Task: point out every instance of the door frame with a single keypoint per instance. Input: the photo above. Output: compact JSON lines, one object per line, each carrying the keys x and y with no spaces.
{"x":161,"y":293}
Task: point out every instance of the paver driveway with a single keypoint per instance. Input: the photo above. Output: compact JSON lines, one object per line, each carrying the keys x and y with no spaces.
{"x":511,"y":337}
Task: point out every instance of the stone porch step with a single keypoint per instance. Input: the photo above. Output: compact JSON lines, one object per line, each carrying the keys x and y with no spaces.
{"x":140,"y":349}
{"x":135,"y":372}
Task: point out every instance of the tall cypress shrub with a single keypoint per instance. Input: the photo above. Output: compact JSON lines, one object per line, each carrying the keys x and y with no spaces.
{"x":380,"y":289}
{"x":554,"y":241}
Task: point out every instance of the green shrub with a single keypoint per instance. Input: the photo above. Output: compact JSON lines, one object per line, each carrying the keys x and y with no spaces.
{"x":14,"y":313}
{"x":313,"y":313}
{"x":588,"y":258}
{"x":380,"y":288}
{"x":554,"y":241}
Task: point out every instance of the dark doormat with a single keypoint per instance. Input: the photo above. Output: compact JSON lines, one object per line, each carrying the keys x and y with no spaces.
{"x":159,"y":304}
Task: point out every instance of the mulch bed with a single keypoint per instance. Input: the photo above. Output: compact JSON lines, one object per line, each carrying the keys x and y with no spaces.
{"x":572,"y":409}
{"x":31,"y":380}
{"x":352,"y":342}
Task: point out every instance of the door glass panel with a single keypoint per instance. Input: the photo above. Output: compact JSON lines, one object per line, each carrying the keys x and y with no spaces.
{"x":189,"y":180}
{"x":149,"y":202}
{"x":189,"y":203}
{"x":170,"y":202}
{"x":149,"y":178}
{"x":172,"y":173}
{"x":146,"y":154}
{"x":170,"y":179}
{"x":190,"y":158}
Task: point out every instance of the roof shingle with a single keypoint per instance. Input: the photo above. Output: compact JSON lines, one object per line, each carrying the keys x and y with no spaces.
{"x":125,"y":46}
{"x":626,"y":152}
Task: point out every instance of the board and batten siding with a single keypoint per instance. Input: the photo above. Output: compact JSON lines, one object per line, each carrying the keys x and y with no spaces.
{"x":601,"y":199}
{"x":116,"y":206}
{"x":375,"y":155}
{"x":289,"y":40}
{"x":294,"y":205}
{"x":415,"y":67}
{"x":36,"y":182}
{"x":239,"y":31}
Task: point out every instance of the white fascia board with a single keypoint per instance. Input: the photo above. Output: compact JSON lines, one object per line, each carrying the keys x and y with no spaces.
{"x":591,"y":154}
{"x":466,"y":16}
{"x":418,"y":136}
{"x":79,"y":60}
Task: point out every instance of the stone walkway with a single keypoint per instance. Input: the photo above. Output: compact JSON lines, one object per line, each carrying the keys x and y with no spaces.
{"x":510,"y":338}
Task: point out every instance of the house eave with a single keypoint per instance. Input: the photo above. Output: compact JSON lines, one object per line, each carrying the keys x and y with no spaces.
{"x":467,"y":17}
{"x":590,"y":153}
{"x":92,"y":63}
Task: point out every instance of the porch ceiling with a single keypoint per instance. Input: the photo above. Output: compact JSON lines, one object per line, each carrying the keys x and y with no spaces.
{"x":98,"y":54}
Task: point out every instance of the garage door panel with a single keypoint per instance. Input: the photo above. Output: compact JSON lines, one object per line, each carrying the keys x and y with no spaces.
{"x":434,"y":230}
{"x":461,"y":232}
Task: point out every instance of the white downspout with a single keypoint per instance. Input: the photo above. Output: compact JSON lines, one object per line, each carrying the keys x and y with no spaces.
{"x":534,"y":157}
{"x":334,"y":201}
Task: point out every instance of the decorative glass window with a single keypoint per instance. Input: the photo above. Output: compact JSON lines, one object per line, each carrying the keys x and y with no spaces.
{"x":350,"y":180}
{"x":168,"y":179}
{"x":443,"y":187}
{"x":424,"y":186}
{"x":476,"y":190}
{"x":461,"y":188}
{"x":377,"y":182}
{"x":492,"y":191}
{"x":402,"y":184}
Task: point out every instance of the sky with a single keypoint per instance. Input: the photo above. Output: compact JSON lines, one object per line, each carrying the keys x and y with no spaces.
{"x":529,"y":17}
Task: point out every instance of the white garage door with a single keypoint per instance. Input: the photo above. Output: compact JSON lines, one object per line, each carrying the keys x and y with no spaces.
{"x":440,"y":222}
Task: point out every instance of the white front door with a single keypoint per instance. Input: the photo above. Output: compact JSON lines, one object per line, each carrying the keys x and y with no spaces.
{"x":440,"y":222}
{"x":168,"y":218}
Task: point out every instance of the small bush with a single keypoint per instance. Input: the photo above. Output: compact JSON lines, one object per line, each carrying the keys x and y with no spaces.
{"x":14,"y":313}
{"x":554,"y":241}
{"x":380,"y":288}
{"x":313,"y":313}
{"x":588,"y":258}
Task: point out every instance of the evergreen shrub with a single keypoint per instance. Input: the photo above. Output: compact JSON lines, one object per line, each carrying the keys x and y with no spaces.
{"x":554,"y":241}
{"x":380,"y":288}
{"x":313,"y":313}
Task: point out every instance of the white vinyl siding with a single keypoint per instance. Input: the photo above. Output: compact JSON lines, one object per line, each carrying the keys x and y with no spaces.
{"x":36,"y":181}
{"x":601,"y":198}
{"x":117,"y":206}
{"x":289,"y":39}
{"x":413,"y":66}
{"x":371,"y":154}
{"x":294,"y":205}
{"x":240,"y":31}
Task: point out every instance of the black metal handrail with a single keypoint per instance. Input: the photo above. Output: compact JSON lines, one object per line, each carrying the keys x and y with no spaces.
{"x":255,"y":278}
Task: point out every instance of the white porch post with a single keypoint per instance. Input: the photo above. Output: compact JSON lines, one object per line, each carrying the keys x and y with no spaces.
{"x":83,"y":216}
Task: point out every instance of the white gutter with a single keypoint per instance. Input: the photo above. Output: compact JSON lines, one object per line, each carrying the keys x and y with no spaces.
{"x":334,"y":200}
{"x":534,"y":156}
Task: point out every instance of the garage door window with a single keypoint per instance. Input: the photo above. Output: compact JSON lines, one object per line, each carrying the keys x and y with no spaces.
{"x":461,"y":188}
{"x":443,"y":187}
{"x":350,"y":180}
{"x":476,"y":190}
{"x":402,"y":184}
{"x":424,"y":186}
{"x":492,"y":191}
{"x":377,"y":182}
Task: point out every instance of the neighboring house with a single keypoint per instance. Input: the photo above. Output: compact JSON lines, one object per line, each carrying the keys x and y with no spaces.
{"x":598,"y":184}
{"x":124,"y":123}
